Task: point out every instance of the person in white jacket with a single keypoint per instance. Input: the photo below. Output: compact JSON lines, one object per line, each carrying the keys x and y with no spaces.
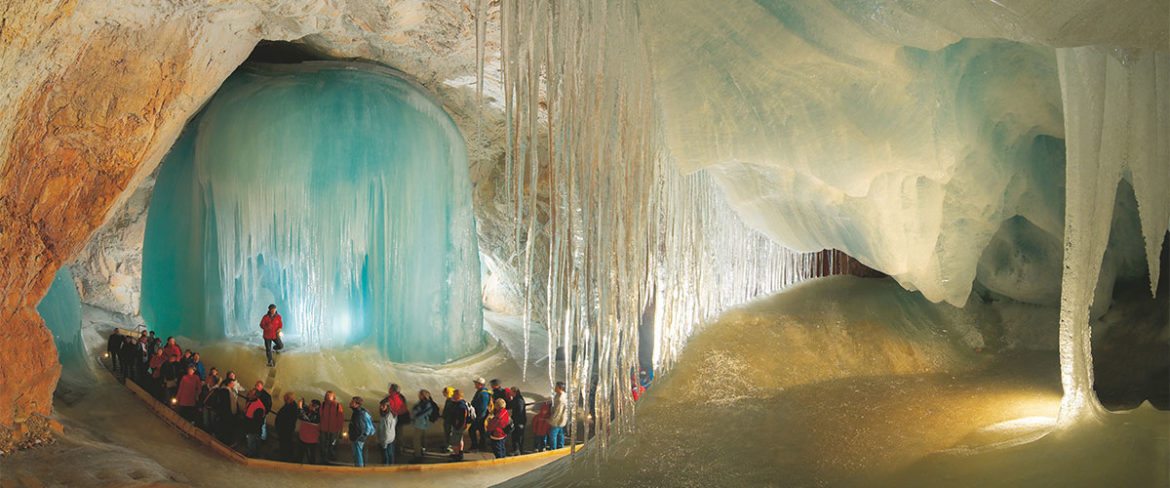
{"x":558,"y":418}
{"x":386,"y":428}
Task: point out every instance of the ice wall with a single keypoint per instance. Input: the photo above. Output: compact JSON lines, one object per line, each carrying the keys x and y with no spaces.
{"x":1117,"y":120}
{"x":61,"y":311}
{"x":340,"y":193}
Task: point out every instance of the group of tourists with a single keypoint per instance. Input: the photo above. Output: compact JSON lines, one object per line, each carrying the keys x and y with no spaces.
{"x":492,"y":417}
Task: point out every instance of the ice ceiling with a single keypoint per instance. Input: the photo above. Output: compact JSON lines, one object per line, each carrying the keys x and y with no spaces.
{"x":883,"y":129}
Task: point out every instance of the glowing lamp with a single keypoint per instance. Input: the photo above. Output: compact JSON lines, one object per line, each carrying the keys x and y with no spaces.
{"x":174,"y":401}
{"x":105,"y":354}
{"x":345,"y":434}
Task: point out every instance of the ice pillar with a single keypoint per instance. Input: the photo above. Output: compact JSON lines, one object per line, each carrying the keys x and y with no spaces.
{"x":1117,"y":124}
{"x":338,"y":192}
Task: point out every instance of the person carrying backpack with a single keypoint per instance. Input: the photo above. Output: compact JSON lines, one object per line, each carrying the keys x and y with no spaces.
{"x":481,"y":403}
{"x":254,"y":416}
{"x":310,"y":433}
{"x":458,"y":416}
{"x":387,"y":433}
{"x":361,"y":427}
{"x":396,"y":403}
{"x":423,"y":413}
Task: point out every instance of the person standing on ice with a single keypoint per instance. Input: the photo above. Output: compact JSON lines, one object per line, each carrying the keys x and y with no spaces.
{"x":332,"y":417}
{"x":480,"y":404}
{"x":558,"y":417}
{"x":113,"y":347}
{"x":271,"y":324}
{"x":361,"y":427}
{"x":395,"y":403}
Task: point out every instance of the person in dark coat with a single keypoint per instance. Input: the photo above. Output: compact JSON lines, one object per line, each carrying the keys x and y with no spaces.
{"x":227,"y":411}
{"x":172,"y":370}
{"x":264,"y":396}
{"x":113,"y":348}
{"x":128,"y":358}
{"x":518,"y":410}
{"x":286,"y":426}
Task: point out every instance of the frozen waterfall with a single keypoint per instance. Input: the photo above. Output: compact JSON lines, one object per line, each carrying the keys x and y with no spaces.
{"x":338,"y":192}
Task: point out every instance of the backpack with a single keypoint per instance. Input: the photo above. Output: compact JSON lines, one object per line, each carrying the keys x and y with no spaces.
{"x":434,"y":416}
{"x":367,"y":424}
{"x":470,"y":413}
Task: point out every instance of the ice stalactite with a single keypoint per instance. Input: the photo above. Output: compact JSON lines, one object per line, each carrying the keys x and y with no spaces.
{"x":1117,"y":125}
{"x":340,"y":193}
{"x":624,"y":231}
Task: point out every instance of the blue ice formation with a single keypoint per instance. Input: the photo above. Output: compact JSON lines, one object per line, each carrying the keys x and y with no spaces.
{"x":61,"y":311}
{"x":338,"y":192}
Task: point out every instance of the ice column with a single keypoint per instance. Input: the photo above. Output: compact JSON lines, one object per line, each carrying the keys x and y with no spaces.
{"x":340,"y":193}
{"x":1117,"y":125}
{"x":601,"y":206}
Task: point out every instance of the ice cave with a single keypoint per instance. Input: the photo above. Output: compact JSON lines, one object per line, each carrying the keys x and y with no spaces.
{"x":691,"y":243}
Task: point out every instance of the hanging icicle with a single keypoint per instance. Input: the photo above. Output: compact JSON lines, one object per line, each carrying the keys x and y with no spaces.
{"x":605,"y":227}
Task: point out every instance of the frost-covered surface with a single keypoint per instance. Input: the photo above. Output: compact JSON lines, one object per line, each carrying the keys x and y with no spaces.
{"x":337,"y":192}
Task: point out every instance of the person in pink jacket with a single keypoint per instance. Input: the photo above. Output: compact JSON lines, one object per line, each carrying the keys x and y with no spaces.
{"x":188,"y":396}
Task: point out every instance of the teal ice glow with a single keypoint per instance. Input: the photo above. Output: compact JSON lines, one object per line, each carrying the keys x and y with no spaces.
{"x":338,"y":192}
{"x":61,"y":311}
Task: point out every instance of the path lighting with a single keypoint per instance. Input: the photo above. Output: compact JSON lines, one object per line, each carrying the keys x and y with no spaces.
{"x":174,"y":401}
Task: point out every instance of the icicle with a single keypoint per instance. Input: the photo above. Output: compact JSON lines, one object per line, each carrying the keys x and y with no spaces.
{"x":623,"y":230}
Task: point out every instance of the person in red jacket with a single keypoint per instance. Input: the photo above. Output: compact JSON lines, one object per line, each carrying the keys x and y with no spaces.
{"x":498,"y":426}
{"x":172,"y":349}
{"x":540,"y":428}
{"x":332,"y":419}
{"x":188,"y":396}
{"x":271,"y":324}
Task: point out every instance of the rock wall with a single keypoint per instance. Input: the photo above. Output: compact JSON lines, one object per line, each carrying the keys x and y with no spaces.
{"x":93,"y":94}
